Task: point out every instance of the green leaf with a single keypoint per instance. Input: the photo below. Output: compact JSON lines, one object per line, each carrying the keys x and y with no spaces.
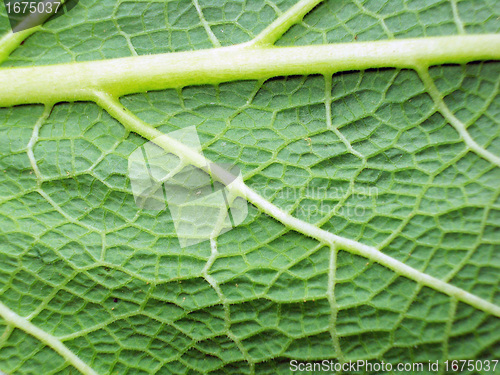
{"x":371,"y":171}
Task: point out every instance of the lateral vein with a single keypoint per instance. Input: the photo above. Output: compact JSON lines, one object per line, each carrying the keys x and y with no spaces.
{"x":239,"y":188}
{"x":19,"y":322}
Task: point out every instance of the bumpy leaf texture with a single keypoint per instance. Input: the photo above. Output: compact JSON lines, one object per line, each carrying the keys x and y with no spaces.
{"x":85,"y":265}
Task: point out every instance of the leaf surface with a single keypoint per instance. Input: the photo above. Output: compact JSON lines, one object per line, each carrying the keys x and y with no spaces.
{"x":371,"y":156}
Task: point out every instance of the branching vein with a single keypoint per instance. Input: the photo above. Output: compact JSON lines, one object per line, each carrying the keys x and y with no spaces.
{"x":453,"y":120}
{"x":19,"y":322}
{"x":205,"y":24}
{"x":105,"y":81}
{"x":239,"y":188}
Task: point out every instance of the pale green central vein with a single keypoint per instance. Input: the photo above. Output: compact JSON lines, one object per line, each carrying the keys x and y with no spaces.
{"x":117,"y":77}
{"x":104,"y":81}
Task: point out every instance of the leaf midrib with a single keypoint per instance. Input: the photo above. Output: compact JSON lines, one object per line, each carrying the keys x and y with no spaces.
{"x":77,"y":81}
{"x":106,"y":96}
